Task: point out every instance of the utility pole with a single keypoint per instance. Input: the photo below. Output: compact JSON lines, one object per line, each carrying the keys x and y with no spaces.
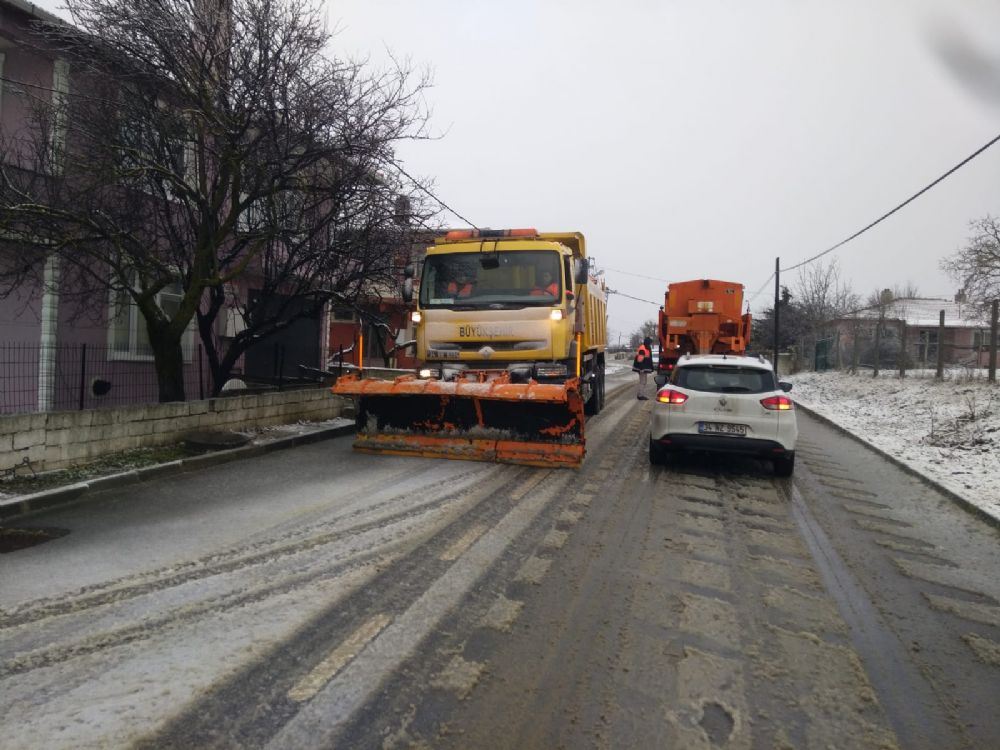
{"x":902,"y":348}
{"x":777,"y":300}
{"x":940,"y":344}
{"x":993,"y":341}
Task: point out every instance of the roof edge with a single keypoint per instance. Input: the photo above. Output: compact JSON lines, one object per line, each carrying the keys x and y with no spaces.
{"x":35,"y":12}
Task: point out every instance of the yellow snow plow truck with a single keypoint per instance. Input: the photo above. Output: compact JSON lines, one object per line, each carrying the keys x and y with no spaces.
{"x":511,"y":328}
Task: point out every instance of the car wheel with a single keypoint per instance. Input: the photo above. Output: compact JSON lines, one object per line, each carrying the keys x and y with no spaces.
{"x":657,"y":454}
{"x":784,"y":465}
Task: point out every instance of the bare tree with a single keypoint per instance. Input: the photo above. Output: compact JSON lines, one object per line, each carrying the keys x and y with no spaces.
{"x":649,"y":328}
{"x":820,"y":297}
{"x":977,"y":265}
{"x":203,"y":146}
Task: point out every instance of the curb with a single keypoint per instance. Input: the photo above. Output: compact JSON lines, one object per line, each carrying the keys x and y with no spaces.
{"x":958,"y":499}
{"x":58,"y":496}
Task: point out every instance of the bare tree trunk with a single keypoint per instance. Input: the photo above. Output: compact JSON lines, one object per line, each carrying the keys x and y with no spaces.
{"x":169,"y":362}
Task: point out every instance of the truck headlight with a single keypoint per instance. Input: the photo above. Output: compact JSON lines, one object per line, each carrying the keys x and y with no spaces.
{"x":556,"y":315}
{"x":415,"y":316}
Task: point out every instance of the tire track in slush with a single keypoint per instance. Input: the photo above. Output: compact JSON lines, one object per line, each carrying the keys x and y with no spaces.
{"x":419,"y":589}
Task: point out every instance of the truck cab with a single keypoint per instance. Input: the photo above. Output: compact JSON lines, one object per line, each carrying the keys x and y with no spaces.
{"x":515,"y":301}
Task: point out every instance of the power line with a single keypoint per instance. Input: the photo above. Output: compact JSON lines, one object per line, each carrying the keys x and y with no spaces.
{"x":637,"y":275}
{"x":886,"y":215}
{"x":762,"y":288}
{"x":433,"y":197}
{"x":637,"y":299}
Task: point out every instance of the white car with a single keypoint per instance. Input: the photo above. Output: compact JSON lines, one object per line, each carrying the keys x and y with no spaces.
{"x":727,"y":404}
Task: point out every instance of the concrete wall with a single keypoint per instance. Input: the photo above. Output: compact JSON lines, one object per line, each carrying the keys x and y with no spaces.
{"x":60,"y":439}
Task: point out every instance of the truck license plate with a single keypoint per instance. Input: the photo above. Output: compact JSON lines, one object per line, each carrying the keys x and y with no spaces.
{"x":722,"y":428}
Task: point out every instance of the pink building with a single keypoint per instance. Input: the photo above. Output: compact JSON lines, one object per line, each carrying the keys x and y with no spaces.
{"x":965,"y":339}
{"x":56,"y":354}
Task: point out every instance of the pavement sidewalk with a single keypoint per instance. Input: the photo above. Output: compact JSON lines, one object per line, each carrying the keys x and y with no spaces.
{"x":957,"y":497}
{"x":24,"y":504}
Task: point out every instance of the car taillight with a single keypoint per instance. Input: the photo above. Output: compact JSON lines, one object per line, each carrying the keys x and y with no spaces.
{"x":670,"y":396}
{"x":776,"y":403}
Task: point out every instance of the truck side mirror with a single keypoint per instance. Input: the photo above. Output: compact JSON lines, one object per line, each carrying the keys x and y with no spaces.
{"x":581,"y":271}
{"x":408,"y":289}
{"x":409,"y":271}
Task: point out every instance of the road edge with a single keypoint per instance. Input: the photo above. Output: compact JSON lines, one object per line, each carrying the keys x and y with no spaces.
{"x":956,"y":497}
{"x":58,"y":496}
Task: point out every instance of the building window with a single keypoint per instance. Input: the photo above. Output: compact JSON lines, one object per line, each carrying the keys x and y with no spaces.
{"x":927,"y":346}
{"x":127,"y":334}
{"x":343,"y":314}
{"x":155,"y":152}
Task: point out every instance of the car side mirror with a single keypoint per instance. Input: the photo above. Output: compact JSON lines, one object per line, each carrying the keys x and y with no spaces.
{"x":785,"y":386}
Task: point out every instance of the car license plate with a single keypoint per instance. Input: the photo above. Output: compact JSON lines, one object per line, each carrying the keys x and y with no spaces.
{"x":722,"y":428}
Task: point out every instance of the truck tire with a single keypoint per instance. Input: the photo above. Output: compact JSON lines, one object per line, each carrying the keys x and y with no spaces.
{"x":592,"y":405}
{"x":600,"y":376}
{"x":596,"y":401}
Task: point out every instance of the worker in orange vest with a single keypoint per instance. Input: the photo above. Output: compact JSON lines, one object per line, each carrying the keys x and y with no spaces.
{"x":461,"y":286}
{"x":643,"y":364}
{"x":547,"y":286}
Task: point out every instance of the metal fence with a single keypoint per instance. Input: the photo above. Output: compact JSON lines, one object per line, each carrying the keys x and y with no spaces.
{"x":892,"y":345}
{"x":37,"y":378}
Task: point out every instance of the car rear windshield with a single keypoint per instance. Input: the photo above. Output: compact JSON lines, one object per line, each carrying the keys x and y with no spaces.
{"x":724,"y":379}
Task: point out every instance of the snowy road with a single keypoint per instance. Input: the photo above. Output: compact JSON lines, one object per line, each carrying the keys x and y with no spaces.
{"x":315,"y":596}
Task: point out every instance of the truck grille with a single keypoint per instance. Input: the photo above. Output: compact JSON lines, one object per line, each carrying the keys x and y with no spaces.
{"x":497,"y":346}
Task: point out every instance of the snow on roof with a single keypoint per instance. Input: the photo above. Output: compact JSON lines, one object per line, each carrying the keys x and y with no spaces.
{"x":925,"y":311}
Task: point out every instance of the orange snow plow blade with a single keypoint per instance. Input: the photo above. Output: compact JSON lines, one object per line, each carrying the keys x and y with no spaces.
{"x":538,"y":424}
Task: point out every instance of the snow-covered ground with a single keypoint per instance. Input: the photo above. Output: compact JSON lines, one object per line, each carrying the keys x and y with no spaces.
{"x":947,"y":430}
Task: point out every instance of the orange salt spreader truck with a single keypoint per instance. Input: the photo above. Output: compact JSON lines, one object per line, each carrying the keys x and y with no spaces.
{"x":701,"y":317}
{"x":511,"y":330}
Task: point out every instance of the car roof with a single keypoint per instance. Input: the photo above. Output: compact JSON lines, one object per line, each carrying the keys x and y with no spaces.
{"x":731,"y":360}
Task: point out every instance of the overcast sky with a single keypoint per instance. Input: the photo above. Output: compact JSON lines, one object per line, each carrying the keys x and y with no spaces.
{"x":702,"y":138}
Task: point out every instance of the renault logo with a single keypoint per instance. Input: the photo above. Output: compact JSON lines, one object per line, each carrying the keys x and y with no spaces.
{"x":722,"y":401}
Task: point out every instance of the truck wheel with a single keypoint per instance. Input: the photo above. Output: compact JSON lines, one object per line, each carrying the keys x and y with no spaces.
{"x":596,"y":401}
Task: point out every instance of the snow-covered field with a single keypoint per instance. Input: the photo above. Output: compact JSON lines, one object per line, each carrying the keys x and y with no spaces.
{"x":947,"y":430}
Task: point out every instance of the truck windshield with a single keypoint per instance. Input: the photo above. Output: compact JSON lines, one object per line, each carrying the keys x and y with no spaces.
{"x":522,"y":278}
